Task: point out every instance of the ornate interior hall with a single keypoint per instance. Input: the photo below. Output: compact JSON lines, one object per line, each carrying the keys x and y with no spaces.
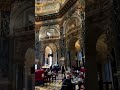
{"x":62,"y":37}
{"x":76,"y":33}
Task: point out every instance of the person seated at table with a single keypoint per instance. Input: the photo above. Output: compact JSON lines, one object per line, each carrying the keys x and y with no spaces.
{"x":46,"y":73}
{"x":76,"y":81}
{"x":53,"y":76}
{"x":80,"y":80}
{"x":82,"y":69}
{"x":82,"y":75}
{"x":82,"y":87}
{"x":67,"y":85}
{"x":49,"y":75}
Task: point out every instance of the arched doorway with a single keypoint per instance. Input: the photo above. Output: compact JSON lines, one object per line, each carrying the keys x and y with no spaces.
{"x":48,"y":56}
{"x":49,"y":37}
{"x":104,"y":67}
{"x":79,"y":54}
{"x":75,"y":52}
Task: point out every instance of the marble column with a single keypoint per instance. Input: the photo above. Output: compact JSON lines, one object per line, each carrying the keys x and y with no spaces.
{"x":91,"y":79}
{"x":54,"y":57}
{"x":83,"y":56}
{"x":116,"y":31}
{"x":62,"y":45}
{"x":68,"y":58}
{"x":57,"y":56}
{"x":11,"y":61}
{"x":19,"y":76}
{"x":42,"y":60}
{"x":4,"y":52}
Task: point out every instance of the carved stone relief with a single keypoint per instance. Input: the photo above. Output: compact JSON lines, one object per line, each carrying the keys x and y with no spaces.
{"x":5,"y":20}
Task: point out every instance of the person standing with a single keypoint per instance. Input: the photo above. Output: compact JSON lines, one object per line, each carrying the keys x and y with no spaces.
{"x":63,"y":69}
{"x":51,"y":68}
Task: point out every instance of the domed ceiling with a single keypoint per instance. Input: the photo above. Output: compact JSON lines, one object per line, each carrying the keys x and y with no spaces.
{"x":43,"y":7}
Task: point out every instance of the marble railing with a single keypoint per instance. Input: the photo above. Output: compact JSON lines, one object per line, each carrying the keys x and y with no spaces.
{"x":49,"y":38}
{"x":24,"y":30}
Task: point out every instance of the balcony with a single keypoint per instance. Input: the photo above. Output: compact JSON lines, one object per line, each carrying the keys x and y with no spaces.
{"x":24,"y":30}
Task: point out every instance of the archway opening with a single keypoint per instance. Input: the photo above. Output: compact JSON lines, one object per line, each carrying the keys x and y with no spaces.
{"x":48,"y":56}
{"x":104,"y":59}
{"x":51,"y":54}
{"x":75,"y":53}
{"x":79,"y":54}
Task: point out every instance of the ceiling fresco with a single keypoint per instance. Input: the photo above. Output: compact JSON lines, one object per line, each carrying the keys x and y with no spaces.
{"x":44,"y":7}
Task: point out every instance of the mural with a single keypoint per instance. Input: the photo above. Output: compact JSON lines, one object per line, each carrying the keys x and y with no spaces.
{"x":43,"y":7}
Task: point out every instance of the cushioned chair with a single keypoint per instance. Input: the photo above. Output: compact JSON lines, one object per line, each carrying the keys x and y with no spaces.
{"x":39,"y":79}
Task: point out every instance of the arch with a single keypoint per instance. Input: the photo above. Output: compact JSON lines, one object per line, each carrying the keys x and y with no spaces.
{"x":103,"y":45}
{"x":72,"y":55}
{"x":53,"y":46}
{"x":29,"y":56}
{"x":93,"y":34}
{"x":50,"y":48}
{"x":42,"y":32}
{"x":101,"y":49}
{"x":16,"y":11}
{"x":77,"y":22}
{"x":71,"y":42}
{"x":48,"y":51}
